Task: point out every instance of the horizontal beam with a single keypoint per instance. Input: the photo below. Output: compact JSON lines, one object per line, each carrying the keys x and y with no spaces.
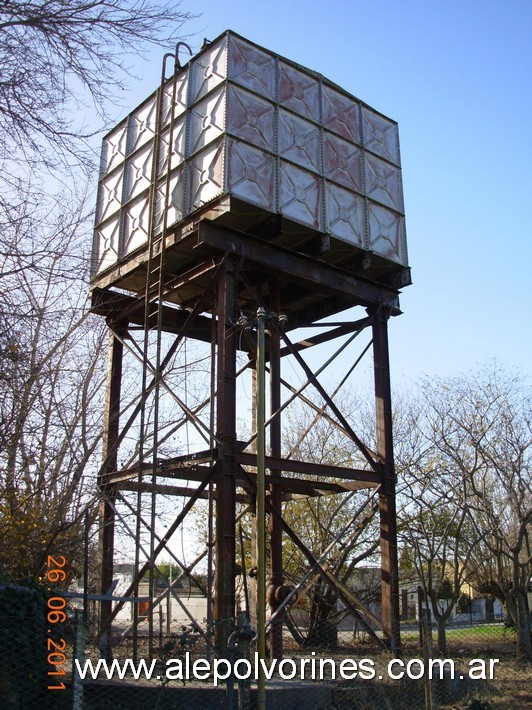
{"x":292,"y":488}
{"x":347,"y":479}
{"x":373,"y":478}
{"x":119,"y":306}
{"x":187,"y":473}
{"x":325,"y":337}
{"x":281,"y":262}
{"x":165,"y":490}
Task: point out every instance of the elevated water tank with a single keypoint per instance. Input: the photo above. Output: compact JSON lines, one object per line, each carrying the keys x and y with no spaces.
{"x":245,"y":138}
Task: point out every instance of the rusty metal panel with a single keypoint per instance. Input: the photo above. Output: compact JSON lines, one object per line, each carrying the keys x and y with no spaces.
{"x":180,"y":99}
{"x":251,"y":174}
{"x":299,"y":92}
{"x":300,"y":195}
{"x":141,"y":125}
{"x":105,"y":250}
{"x":387,"y":234}
{"x":380,"y":135}
{"x":173,"y":203}
{"x":251,"y":118}
{"x":207,"y":121}
{"x":346,"y":215}
{"x":342,"y":162}
{"x":135,"y":232}
{"x":251,"y":67}
{"x":109,"y":196}
{"x":113,"y":149}
{"x":176,"y":154}
{"x":341,"y":114}
{"x":138,"y":172}
{"x":383,"y":182}
{"x":300,"y":141}
{"x":206,"y":176}
{"x":208,"y":70}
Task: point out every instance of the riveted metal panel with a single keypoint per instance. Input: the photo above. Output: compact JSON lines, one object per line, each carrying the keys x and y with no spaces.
{"x":138,"y":172}
{"x":387,"y":234}
{"x":113,"y":149}
{"x":173,"y":202}
{"x":206,"y":175}
{"x":252,"y":68}
{"x":380,"y":135}
{"x":208,"y":70}
{"x":109,"y":196}
{"x":142,"y":125}
{"x":177,"y":153}
{"x":383,"y":182}
{"x":248,"y":123}
{"x":251,"y":118}
{"x":345,"y":215}
{"x":106,"y":250}
{"x":251,"y":174}
{"x":300,"y":195}
{"x":181,"y":97}
{"x":342,"y":162}
{"x":299,"y":92}
{"x":341,"y":114}
{"x":300,"y":141}
{"x":207,"y":121}
{"x":136,"y":216}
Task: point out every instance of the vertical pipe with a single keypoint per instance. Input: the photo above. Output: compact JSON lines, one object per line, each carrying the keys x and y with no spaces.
{"x":110,"y":457}
{"x":169,"y":601}
{"x":276,"y":528}
{"x":253,"y":504}
{"x":387,"y":509}
{"x":210,"y":522}
{"x":261,"y":505}
{"x":224,"y":583}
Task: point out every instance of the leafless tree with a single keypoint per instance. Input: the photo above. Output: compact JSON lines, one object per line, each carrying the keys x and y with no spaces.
{"x":50,"y":390}
{"x":469,"y":508}
{"x":494,"y":415}
{"x":60,"y":56}
{"x":61,"y":60}
{"x":436,"y":533}
{"x":318,"y":521}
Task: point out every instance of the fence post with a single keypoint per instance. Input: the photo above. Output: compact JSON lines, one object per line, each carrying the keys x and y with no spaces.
{"x":426,"y":647}
{"x":79,"y":653}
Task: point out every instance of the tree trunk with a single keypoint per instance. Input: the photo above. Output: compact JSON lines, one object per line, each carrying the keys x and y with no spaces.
{"x":524,"y":640}
{"x":323,"y":631}
{"x":323,"y":634}
{"x":441,"y":622}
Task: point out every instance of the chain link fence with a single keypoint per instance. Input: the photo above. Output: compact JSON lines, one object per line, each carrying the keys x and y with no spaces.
{"x":51,"y":659}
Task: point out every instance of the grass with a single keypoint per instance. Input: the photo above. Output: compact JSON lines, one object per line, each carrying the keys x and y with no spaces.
{"x":469,"y":636}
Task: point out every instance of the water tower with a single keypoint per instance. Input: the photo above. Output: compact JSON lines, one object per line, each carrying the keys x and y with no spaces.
{"x":245,"y":182}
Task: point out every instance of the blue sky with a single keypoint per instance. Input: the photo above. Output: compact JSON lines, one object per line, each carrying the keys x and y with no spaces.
{"x":456,"y":75}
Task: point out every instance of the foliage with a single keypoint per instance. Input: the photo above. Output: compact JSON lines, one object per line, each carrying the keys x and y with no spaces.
{"x":164,"y":569}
